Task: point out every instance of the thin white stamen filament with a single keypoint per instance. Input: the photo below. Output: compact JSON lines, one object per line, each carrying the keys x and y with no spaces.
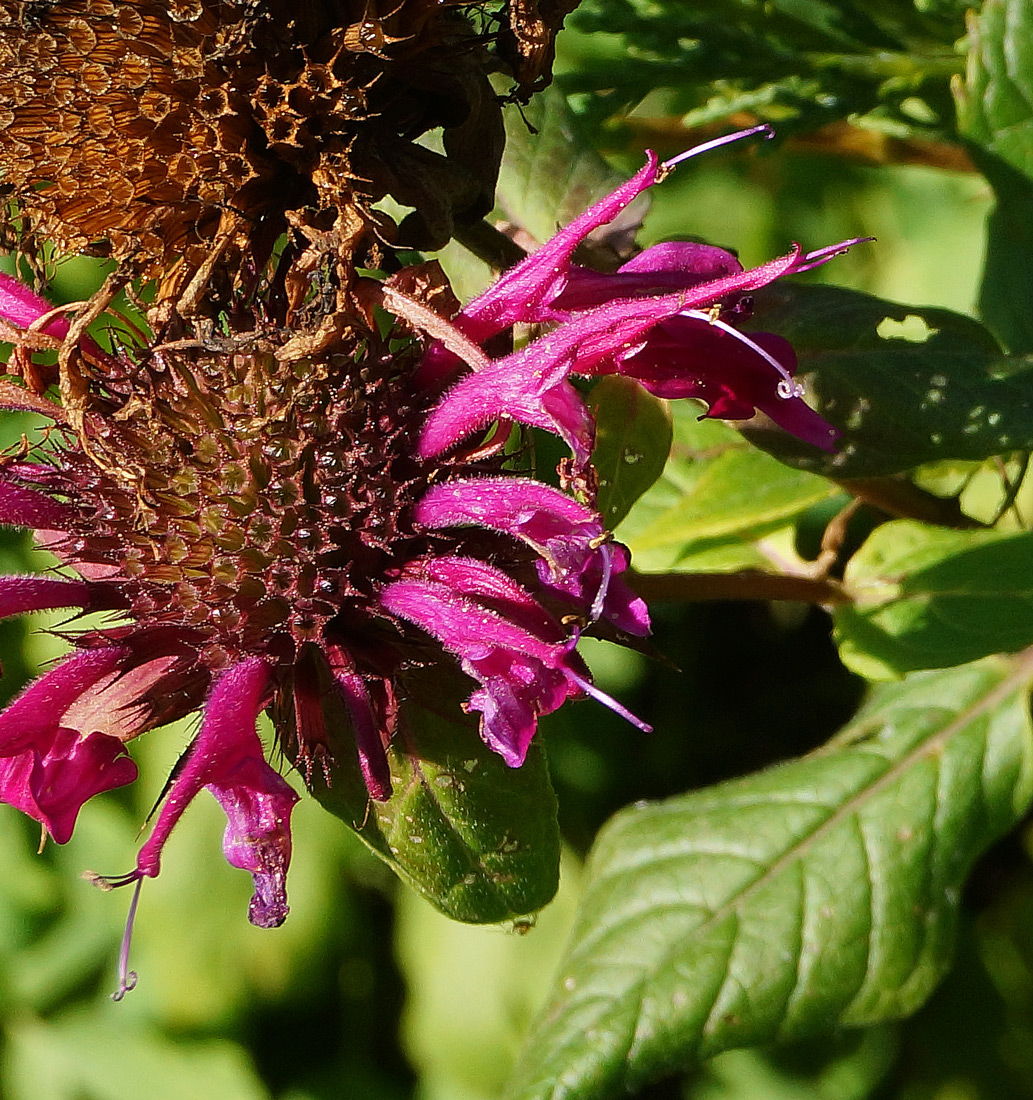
{"x":606,"y":553}
{"x":787,"y":388}
{"x":716,"y":143}
{"x":608,"y":701}
{"x":126,"y":977}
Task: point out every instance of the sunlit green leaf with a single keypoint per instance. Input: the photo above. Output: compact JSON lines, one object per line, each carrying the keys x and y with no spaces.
{"x":633,"y":440}
{"x":816,"y":895}
{"x":925,"y":597}
{"x":716,"y":496}
{"x":551,"y":172}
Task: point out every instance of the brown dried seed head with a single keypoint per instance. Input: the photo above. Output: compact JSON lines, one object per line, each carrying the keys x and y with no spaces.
{"x":286,"y":109}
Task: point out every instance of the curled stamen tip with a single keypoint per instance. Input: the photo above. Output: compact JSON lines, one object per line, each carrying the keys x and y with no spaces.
{"x":126,"y":985}
{"x":111,"y":882}
{"x":787,"y":389}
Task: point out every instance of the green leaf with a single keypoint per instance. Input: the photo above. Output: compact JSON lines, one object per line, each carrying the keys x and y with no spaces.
{"x":477,"y":839}
{"x":551,"y":173}
{"x":90,"y":1053}
{"x":906,"y":384}
{"x":716,"y":496}
{"x":819,"y":894}
{"x":799,"y":63}
{"x":1006,"y":289}
{"x":995,"y":105}
{"x":925,"y":597}
{"x":995,"y":112}
{"x":632,"y":442}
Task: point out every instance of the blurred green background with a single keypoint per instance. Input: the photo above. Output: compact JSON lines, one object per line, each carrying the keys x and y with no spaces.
{"x":366,"y":991}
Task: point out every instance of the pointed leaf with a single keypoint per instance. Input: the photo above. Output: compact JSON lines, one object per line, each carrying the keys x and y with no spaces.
{"x":995,"y":104}
{"x":925,"y":597}
{"x":632,"y":442}
{"x":816,"y":895}
{"x":477,"y":839}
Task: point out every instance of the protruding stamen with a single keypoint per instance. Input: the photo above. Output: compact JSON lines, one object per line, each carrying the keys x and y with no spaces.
{"x":127,"y":977}
{"x":599,"y":603}
{"x":787,"y":388}
{"x":608,"y":701}
{"x":716,"y":143}
{"x":823,"y":255}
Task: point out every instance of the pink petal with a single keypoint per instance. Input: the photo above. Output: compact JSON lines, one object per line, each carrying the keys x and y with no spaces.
{"x":577,"y":561}
{"x":470,"y":607}
{"x":21,"y":306}
{"x":19,"y":595}
{"x":523,"y":292}
{"x":670,"y":265}
{"x":514,"y":391}
{"x":227,"y":758}
{"x":686,"y":357}
{"x":71,"y":773}
{"x":369,"y":743}
{"x":50,"y":765}
{"x":21,"y":507}
{"x":32,"y":719}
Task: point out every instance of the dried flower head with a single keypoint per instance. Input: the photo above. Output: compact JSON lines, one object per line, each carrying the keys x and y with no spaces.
{"x":184,"y":137}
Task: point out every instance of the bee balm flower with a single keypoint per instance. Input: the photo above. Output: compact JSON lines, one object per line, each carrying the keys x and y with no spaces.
{"x":256,"y":528}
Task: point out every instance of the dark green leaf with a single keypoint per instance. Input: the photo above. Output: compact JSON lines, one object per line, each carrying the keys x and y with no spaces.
{"x":477,"y":839}
{"x":907,"y":384}
{"x":816,"y":895}
{"x":633,"y":440}
{"x":930,"y":598}
{"x":1006,"y":290}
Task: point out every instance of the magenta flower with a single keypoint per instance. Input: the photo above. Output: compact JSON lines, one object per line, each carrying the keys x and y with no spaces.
{"x":665,"y":319}
{"x":262,"y":532}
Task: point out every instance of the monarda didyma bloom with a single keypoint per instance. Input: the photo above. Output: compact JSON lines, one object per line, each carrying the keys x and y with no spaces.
{"x":260,"y":532}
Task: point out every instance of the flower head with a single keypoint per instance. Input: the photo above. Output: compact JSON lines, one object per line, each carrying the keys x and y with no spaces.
{"x":260,"y":531}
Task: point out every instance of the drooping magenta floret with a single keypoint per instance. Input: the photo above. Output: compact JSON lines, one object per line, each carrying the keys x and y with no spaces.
{"x":576,"y":558}
{"x":227,"y":760}
{"x":525,"y":662}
